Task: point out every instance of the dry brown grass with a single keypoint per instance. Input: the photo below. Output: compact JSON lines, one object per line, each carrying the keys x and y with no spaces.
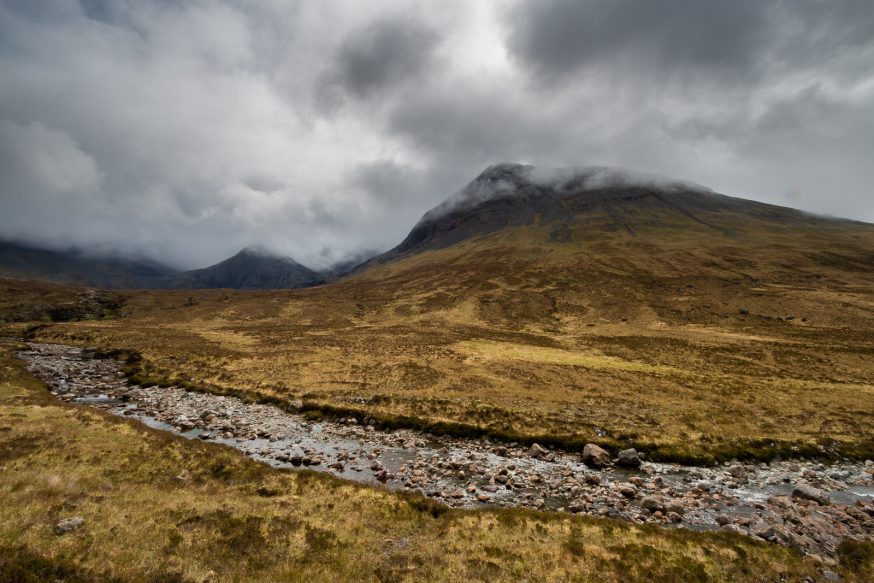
{"x":161,"y":508}
{"x":683,"y":342}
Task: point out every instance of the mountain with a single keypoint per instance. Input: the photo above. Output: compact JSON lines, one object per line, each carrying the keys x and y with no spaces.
{"x":74,"y":267}
{"x":574,"y":205}
{"x":522,"y":246}
{"x":250,"y":269}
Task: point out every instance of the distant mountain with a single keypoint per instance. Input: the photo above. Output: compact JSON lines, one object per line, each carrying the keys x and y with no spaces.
{"x":250,"y":269}
{"x":74,"y":267}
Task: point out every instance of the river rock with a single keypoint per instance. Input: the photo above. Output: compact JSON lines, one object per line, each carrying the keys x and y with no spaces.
{"x":536,"y":450}
{"x":808,"y":492}
{"x":595,"y":456}
{"x":628,"y":458}
{"x":652,"y":504}
{"x":627,"y":490}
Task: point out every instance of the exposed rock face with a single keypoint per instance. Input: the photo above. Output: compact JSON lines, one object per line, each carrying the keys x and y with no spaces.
{"x":595,"y":456}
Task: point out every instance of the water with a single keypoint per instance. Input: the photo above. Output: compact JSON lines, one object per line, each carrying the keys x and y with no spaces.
{"x":460,"y":472}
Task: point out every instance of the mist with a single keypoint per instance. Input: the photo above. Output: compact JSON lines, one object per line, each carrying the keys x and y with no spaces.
{"x":184,"y":132}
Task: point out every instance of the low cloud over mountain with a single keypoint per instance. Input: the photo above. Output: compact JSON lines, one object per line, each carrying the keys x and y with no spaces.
{"x":188,"y":130}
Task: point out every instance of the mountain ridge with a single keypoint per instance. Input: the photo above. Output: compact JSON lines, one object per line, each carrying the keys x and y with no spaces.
{"x":251,"y":268}
{"x":513,"y":195}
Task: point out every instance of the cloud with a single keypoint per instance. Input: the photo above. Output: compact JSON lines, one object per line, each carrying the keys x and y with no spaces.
{"x":380,"y":55}
{"x":560,"y":37}
{"x":187,"y":130}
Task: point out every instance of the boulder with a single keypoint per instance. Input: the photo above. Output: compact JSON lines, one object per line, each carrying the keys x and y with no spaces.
{"x":808,"y":492}
{"x":627,"y":490}
{"x":628,"y":458}
{"x":536,"y":450}
{"x":652,"y":504}
{"x":595,"y":456}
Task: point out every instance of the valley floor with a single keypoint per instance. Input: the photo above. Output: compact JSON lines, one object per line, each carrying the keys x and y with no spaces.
{"x":88,"y":496}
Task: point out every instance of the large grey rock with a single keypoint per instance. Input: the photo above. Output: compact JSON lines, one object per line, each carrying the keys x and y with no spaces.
{"x":808,"y":492}
{"x":628,"y":458}
{"x":595,"y":456}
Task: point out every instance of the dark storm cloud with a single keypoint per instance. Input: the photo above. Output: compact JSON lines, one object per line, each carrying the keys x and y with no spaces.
{"x":563,"y":36}
{"x":738,"y":39}
{"x":187,"y":130}
{"x":382,"y":54}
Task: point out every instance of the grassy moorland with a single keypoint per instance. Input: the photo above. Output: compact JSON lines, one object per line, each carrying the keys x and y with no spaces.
{"x":687,"y":343}
{"x":161,"y":508}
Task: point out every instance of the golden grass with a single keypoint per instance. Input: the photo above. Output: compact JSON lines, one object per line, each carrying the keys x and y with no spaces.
{"x":540,"y":355}
{"x":157,"y":507}
{"x":682,"y":341}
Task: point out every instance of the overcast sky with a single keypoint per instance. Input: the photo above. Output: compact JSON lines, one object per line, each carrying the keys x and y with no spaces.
{"x":186,"y":130}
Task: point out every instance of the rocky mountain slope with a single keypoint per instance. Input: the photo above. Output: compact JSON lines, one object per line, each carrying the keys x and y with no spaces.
{"x":573,"y":206}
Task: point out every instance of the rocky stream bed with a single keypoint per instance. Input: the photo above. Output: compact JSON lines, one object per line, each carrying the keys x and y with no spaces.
{"x":802,"y":504}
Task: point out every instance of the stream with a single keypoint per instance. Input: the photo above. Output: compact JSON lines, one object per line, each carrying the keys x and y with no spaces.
{"x":807,"y":505}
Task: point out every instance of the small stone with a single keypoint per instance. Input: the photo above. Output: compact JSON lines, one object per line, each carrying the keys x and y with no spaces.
{"x":69,"y":525}
{"x":592,"y":479}
{"x":722,"y":520}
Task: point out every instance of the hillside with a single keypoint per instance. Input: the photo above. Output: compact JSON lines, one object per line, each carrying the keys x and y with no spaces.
{"x":693,"y":325}
{"x":581,"y":208}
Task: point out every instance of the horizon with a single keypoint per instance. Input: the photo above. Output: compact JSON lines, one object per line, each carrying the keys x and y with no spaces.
{"x":184,"y":132}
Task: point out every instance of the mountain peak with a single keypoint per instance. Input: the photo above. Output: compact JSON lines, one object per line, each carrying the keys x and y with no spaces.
{"x":252,"y":268}
{"x":582,"y":203}
{"x":508,"y":179}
